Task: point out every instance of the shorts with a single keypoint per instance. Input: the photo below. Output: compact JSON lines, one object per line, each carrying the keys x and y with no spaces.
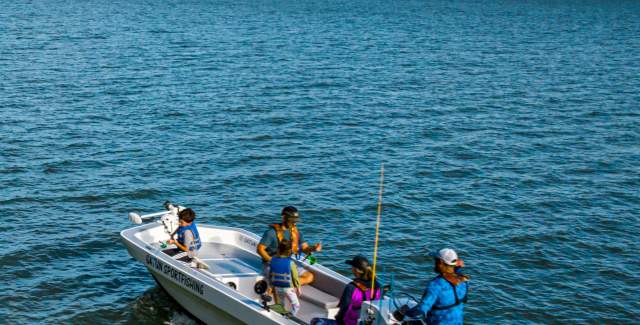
{"x":288,"y":299}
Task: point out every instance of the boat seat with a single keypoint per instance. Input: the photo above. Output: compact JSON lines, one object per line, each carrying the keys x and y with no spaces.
{"x":319,"y":297}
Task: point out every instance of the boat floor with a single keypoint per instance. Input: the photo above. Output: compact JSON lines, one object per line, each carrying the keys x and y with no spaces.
{"x":229,"y":265}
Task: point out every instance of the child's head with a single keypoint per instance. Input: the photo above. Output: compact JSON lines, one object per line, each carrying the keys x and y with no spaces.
{"x":284,"y":247}
{"x":187,"y":215}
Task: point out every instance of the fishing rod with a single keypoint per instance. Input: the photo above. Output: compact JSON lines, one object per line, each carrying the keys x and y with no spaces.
{"x":375,"y":246}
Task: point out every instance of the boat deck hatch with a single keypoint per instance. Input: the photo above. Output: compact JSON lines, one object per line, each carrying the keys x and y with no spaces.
{"x":230,"y":266}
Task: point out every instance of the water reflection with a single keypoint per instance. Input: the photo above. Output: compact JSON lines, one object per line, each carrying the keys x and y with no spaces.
{"x":155,"y":306}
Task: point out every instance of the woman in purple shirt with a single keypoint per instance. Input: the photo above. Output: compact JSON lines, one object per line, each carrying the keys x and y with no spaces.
{"x":354,"y":294}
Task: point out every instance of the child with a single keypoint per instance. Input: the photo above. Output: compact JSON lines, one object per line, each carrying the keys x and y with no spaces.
{"x":188,"y":237}
{"x":284,"y":277}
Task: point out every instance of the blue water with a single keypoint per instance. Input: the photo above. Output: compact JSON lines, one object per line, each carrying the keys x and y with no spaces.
{"x":510,"y":130}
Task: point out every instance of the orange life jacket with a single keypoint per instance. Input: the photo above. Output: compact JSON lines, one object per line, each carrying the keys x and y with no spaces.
{"x":361,"y":286}
{"x":294,"y":236}
{"x":455,"y":278}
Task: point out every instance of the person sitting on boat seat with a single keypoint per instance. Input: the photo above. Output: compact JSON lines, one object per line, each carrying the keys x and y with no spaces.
{"x":443,"y":300}
{"x":188,"y":238}
{"x":354,"y":294}
{"x":284,"y":277}
{"x":268,"y":245}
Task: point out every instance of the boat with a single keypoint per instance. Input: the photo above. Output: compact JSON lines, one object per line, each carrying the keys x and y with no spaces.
{"x":225,"y":284}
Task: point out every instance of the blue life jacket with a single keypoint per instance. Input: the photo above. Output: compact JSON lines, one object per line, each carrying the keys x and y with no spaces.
{"x":194,"y":230}
{"x":280,"y":273}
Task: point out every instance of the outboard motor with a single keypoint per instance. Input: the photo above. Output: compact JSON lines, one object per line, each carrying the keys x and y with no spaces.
{"x":170,"y":219}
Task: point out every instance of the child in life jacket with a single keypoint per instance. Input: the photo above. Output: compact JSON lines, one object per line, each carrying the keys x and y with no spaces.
{"x":284,"y":277}
{"x":188,"y":238}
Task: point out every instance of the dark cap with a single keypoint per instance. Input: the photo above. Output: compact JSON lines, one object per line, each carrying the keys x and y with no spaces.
{"x":359,"y":262}
{"x":290,"y":213}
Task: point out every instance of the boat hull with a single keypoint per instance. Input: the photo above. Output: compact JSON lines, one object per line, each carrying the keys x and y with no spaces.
{"x":224,"y":293}
{"x":209,"y":301}
{"x":204,"y":311}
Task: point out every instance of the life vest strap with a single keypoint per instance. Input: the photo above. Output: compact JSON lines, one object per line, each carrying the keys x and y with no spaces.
{"x":362,"y":287}
{"x":455,"y":295}
{"x":295,"y":238}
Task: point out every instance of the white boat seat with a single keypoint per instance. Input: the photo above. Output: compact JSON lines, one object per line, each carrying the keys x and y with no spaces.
{"x":319,"y":297}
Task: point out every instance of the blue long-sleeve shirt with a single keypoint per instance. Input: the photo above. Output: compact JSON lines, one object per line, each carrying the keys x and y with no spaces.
{"x":439,"y":293}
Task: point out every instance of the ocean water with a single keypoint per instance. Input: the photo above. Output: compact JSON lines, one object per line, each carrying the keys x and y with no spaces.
{"x":510,"y":131}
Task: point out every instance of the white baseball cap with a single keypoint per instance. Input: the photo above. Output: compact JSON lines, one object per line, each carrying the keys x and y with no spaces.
{"x":447,"y":255}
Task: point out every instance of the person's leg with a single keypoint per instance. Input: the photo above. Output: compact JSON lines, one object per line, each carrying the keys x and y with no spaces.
{"x":178,"y":254}
{"x":280,"y":295}
{"x":172,"y":251}
{"x":306,"y":277}
{"x":293,"y":300}
{"x":266,"y":268}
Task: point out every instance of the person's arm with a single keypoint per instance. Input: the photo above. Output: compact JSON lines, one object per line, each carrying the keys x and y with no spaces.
{"x":428,"y":299}
{"x":344,"y":303}
{"x":295,"y":280}
{"x":266,"y":240}
{"x":188,"y":236}
{"x":262,"y":251}
{"x":180,"y":246}
{"x":308,"y":249}
{"x":189,"y":241}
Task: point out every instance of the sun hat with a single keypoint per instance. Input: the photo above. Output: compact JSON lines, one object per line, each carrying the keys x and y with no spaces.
{"x":447,"y":255}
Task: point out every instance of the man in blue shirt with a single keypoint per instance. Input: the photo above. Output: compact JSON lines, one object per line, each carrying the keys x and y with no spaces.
{"x":268,"y":245}
{"x":443,"y":300}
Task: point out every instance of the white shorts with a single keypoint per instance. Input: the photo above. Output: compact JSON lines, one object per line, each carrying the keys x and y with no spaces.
{"x":288,"y":299}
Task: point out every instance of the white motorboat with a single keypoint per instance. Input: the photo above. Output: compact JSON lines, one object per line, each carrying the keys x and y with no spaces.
{"x":226,"y":285}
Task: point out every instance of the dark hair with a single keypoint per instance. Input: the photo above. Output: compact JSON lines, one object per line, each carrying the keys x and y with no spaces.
{"x":284,"y":247}
{"x":289,"y":211}
{"x":187,"y":215}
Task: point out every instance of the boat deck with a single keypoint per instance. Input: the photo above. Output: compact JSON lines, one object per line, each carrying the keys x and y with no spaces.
{"x":241,"y":270}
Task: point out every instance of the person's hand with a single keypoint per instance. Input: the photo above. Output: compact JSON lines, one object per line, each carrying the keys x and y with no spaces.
{"x":399,"y":313}
{"x":317,"y":247}
{"x":171,"y":242}
{"x":299,"y":291}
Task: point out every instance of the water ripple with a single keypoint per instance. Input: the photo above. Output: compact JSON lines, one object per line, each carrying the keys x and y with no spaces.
{"x":510,"y":131}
